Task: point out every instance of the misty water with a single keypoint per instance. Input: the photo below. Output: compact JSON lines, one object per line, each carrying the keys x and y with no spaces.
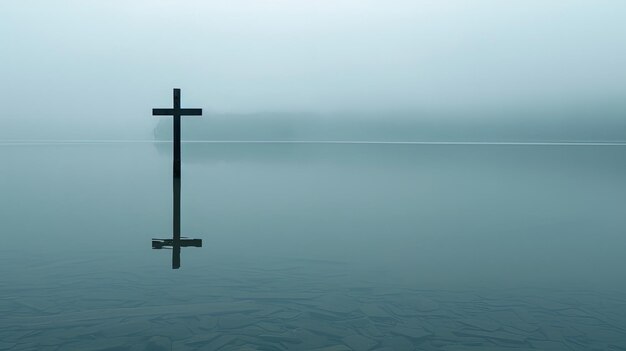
{"x":314,"y":246}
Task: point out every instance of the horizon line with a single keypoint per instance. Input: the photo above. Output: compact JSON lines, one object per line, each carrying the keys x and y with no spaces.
{"x":354,"y":142}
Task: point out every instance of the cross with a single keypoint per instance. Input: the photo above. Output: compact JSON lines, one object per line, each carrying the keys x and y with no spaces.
{"x":176,"y":242}
{"x":177,"y":112}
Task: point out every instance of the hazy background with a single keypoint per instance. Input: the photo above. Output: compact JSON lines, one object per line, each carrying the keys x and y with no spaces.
{"x":366,"y":231}
{"x":540,"y":70}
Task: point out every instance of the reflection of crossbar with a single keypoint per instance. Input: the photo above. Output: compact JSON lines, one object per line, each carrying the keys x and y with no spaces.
{"x":170,"y":243}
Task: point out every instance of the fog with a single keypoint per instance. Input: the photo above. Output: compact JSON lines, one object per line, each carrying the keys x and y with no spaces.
{"x":503,"y":233}
{"x":93,"y":70}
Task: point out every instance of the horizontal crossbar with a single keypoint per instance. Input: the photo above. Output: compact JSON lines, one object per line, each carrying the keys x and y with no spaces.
{"x":177,"y":112}
{"x":183,"y":242}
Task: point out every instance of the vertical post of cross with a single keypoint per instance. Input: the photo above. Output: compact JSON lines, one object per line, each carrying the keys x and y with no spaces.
{"x":177,"y":173}
{"x":176,"y":115}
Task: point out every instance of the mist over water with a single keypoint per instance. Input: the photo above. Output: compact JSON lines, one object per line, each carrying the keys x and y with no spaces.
{"x":528,"y":124}
{"x":366,"y":175}
{"x":464,"y":70}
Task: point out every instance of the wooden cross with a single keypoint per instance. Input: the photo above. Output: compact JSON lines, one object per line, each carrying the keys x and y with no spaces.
{"x":177,"y":112}
{"x":176,"y":242}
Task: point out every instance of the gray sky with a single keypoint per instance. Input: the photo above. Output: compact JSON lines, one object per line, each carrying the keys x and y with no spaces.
{"x":96,"y":68}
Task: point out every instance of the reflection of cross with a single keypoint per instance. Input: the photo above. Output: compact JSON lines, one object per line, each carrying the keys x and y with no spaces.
{"x":175,"y":245}
{"x":176,"y":242}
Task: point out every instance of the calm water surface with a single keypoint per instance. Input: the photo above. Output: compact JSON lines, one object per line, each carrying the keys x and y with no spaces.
{"x":314,"y":246}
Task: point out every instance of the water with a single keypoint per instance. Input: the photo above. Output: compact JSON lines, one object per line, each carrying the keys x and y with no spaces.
{"x":314,"y":246}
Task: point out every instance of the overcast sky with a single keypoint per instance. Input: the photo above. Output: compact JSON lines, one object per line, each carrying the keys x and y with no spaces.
{"x":101,"y":65}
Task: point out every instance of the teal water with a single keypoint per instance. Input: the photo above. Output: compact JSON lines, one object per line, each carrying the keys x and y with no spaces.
{"x":314,"y":246}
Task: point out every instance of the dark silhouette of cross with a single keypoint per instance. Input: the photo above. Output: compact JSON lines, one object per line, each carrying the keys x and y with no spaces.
{"x":176,"y":242}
